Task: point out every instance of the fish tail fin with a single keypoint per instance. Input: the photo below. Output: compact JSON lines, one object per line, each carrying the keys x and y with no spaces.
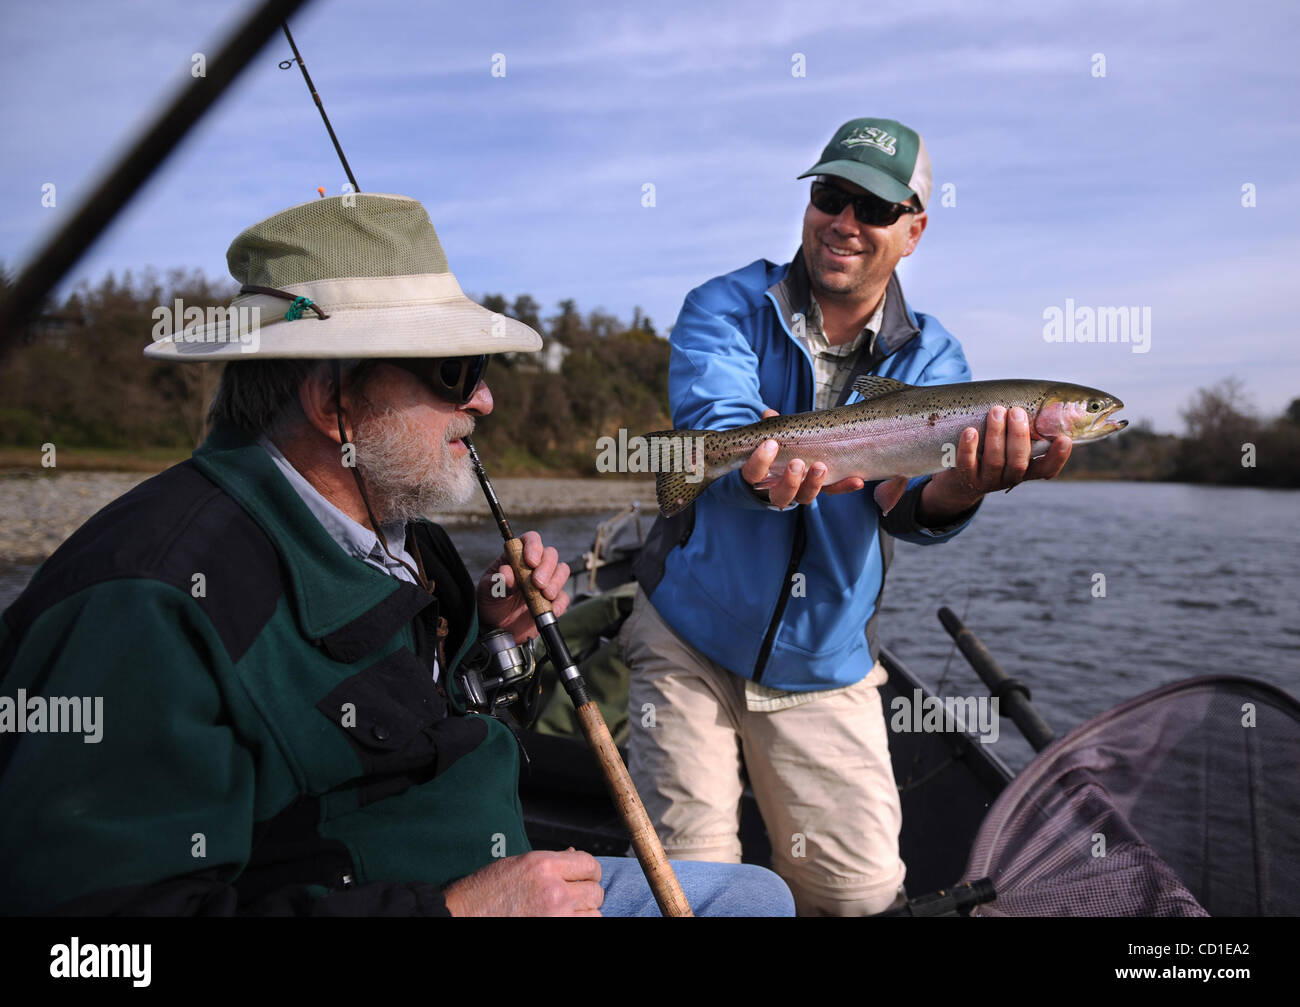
{"x":675,"y":493}
{"x":681,"y":475}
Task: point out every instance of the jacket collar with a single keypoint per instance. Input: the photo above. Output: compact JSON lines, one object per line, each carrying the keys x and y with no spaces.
{"x":792,"y":295}
{"x":355,"y":539}
{"x":342,"y":603}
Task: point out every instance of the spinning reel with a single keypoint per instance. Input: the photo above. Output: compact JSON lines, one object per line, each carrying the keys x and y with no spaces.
{"x":499,"y":676}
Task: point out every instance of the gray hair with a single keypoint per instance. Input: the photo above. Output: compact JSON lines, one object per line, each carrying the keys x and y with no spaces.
{"x":261,"y":396}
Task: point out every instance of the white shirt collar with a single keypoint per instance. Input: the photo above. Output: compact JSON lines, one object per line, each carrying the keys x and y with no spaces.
{"x":353,"y":538}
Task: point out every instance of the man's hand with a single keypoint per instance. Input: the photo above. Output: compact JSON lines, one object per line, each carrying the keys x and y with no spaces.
{"x":1003,"y":463}
{"x":800,"y":483}
{"x":535,"y":884}
{"x":500,"y":601}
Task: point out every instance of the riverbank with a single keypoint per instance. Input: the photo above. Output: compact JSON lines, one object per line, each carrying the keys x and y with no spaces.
{"x":41,"y":509}
{"x":16,"y":460}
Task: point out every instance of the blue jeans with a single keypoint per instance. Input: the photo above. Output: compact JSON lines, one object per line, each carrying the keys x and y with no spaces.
{"x":711,"y":889}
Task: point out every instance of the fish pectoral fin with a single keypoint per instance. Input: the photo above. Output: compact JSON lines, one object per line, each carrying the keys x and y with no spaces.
{"x":871,"y":386}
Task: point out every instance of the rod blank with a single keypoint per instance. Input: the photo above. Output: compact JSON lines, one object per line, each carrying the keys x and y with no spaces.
{"x":63,"y":251}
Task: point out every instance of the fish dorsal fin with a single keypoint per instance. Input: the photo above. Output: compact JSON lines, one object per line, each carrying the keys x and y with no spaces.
{"x":871,"y":386}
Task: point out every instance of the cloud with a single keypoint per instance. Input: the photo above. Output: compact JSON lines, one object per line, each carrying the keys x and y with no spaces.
{"x":1123,"y":189}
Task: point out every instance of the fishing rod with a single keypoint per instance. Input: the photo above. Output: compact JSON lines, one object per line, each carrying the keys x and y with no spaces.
{"x":62,"y":251}
{"x":645,"y":841}
{"x":320,"y":105}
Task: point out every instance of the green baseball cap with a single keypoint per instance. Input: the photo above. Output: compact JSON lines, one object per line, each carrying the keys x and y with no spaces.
{"x":881,"y":155}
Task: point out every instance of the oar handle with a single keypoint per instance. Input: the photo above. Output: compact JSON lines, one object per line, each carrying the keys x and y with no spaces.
{"x":1005,"y":689}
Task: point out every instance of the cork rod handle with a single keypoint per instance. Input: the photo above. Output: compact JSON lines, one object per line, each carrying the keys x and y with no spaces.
{"x":649,"y":851}
{"x":645,"y":841}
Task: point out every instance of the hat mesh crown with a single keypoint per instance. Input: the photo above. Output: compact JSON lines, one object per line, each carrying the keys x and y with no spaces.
{"x":379,"y":235}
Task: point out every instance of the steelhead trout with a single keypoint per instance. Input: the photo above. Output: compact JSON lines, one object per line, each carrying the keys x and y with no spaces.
{"x":897,"y":430}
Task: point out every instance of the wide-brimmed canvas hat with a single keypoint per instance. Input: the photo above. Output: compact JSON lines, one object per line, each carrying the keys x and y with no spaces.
{"x":353,"y":276}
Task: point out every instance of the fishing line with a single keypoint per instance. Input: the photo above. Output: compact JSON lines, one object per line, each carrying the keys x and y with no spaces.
{"x":970,"y":592}
{"x":911,"y":783}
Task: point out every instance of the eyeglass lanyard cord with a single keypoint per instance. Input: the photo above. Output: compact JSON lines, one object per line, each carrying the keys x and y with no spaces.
{"x":294,"y":313}
{"x":420,"y":577}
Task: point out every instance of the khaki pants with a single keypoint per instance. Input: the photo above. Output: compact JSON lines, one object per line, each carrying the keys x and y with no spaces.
{"x":818,"y":764}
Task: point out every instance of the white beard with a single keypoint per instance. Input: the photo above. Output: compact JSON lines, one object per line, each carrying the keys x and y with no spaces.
{"x":407,"y":476}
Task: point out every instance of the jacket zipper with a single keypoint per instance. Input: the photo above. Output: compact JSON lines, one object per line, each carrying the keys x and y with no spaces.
{"x":800,"y":532}
{"x":800,"y":537}
{"x":796,"y":554}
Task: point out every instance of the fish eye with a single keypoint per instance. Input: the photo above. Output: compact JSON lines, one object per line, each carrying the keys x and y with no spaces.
{"x":1094,"y":405}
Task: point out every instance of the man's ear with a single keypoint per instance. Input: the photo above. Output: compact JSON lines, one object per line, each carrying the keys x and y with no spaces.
{"x":915,"y":228}
{"x":319,"y":402}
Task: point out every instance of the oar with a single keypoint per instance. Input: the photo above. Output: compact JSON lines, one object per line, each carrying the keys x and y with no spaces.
{"x":645,"y":841}
{"x":1010,"y":691}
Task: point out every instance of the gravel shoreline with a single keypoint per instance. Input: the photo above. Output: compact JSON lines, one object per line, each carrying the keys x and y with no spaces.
{"x":41,"y":510}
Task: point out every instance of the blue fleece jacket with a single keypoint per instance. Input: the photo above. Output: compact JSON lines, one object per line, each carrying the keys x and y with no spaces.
{"x":783,"y":597}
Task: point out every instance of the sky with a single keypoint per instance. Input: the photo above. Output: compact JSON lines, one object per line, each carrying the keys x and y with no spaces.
{"x":1095,"y":153}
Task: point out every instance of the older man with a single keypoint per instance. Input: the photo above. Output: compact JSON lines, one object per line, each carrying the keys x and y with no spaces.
{"x":747,"y":638}
{"x":274,"y":629}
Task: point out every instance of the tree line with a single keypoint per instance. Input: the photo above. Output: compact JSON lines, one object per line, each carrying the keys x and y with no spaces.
{"x":77,"y":380}
{"x":1226,"y":442}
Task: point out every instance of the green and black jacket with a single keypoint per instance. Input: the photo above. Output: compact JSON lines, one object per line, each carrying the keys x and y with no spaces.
{"x":272,"y":741}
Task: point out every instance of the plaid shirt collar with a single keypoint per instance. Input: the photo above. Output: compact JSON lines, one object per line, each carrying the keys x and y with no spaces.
{"x":791,"y":296}
{"x":816,"y":331}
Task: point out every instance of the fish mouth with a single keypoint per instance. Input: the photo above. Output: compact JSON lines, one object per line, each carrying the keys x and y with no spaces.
{"x":1103,"y":425}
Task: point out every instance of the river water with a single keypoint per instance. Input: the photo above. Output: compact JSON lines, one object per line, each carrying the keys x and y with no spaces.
{"x":1197,"y":580}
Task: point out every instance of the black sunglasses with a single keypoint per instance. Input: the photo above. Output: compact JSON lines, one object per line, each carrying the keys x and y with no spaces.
{"x":870,"y":210}
{"x":453,"y":379}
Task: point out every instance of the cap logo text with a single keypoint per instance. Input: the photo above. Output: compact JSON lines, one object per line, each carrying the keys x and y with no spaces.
{"x":871,"y":136}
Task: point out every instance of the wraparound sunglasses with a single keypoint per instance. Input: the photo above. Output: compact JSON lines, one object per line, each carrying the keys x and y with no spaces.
{"x":452,"y":379}
{"x":870,"y":210}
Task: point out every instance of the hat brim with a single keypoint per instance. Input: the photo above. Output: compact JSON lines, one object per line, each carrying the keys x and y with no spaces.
{"x":415,"y":316}
{"x":870,"y":178}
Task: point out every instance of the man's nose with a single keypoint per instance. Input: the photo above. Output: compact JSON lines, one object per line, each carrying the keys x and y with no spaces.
{"x":480,"y":402}
{"x":846,"y":222}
